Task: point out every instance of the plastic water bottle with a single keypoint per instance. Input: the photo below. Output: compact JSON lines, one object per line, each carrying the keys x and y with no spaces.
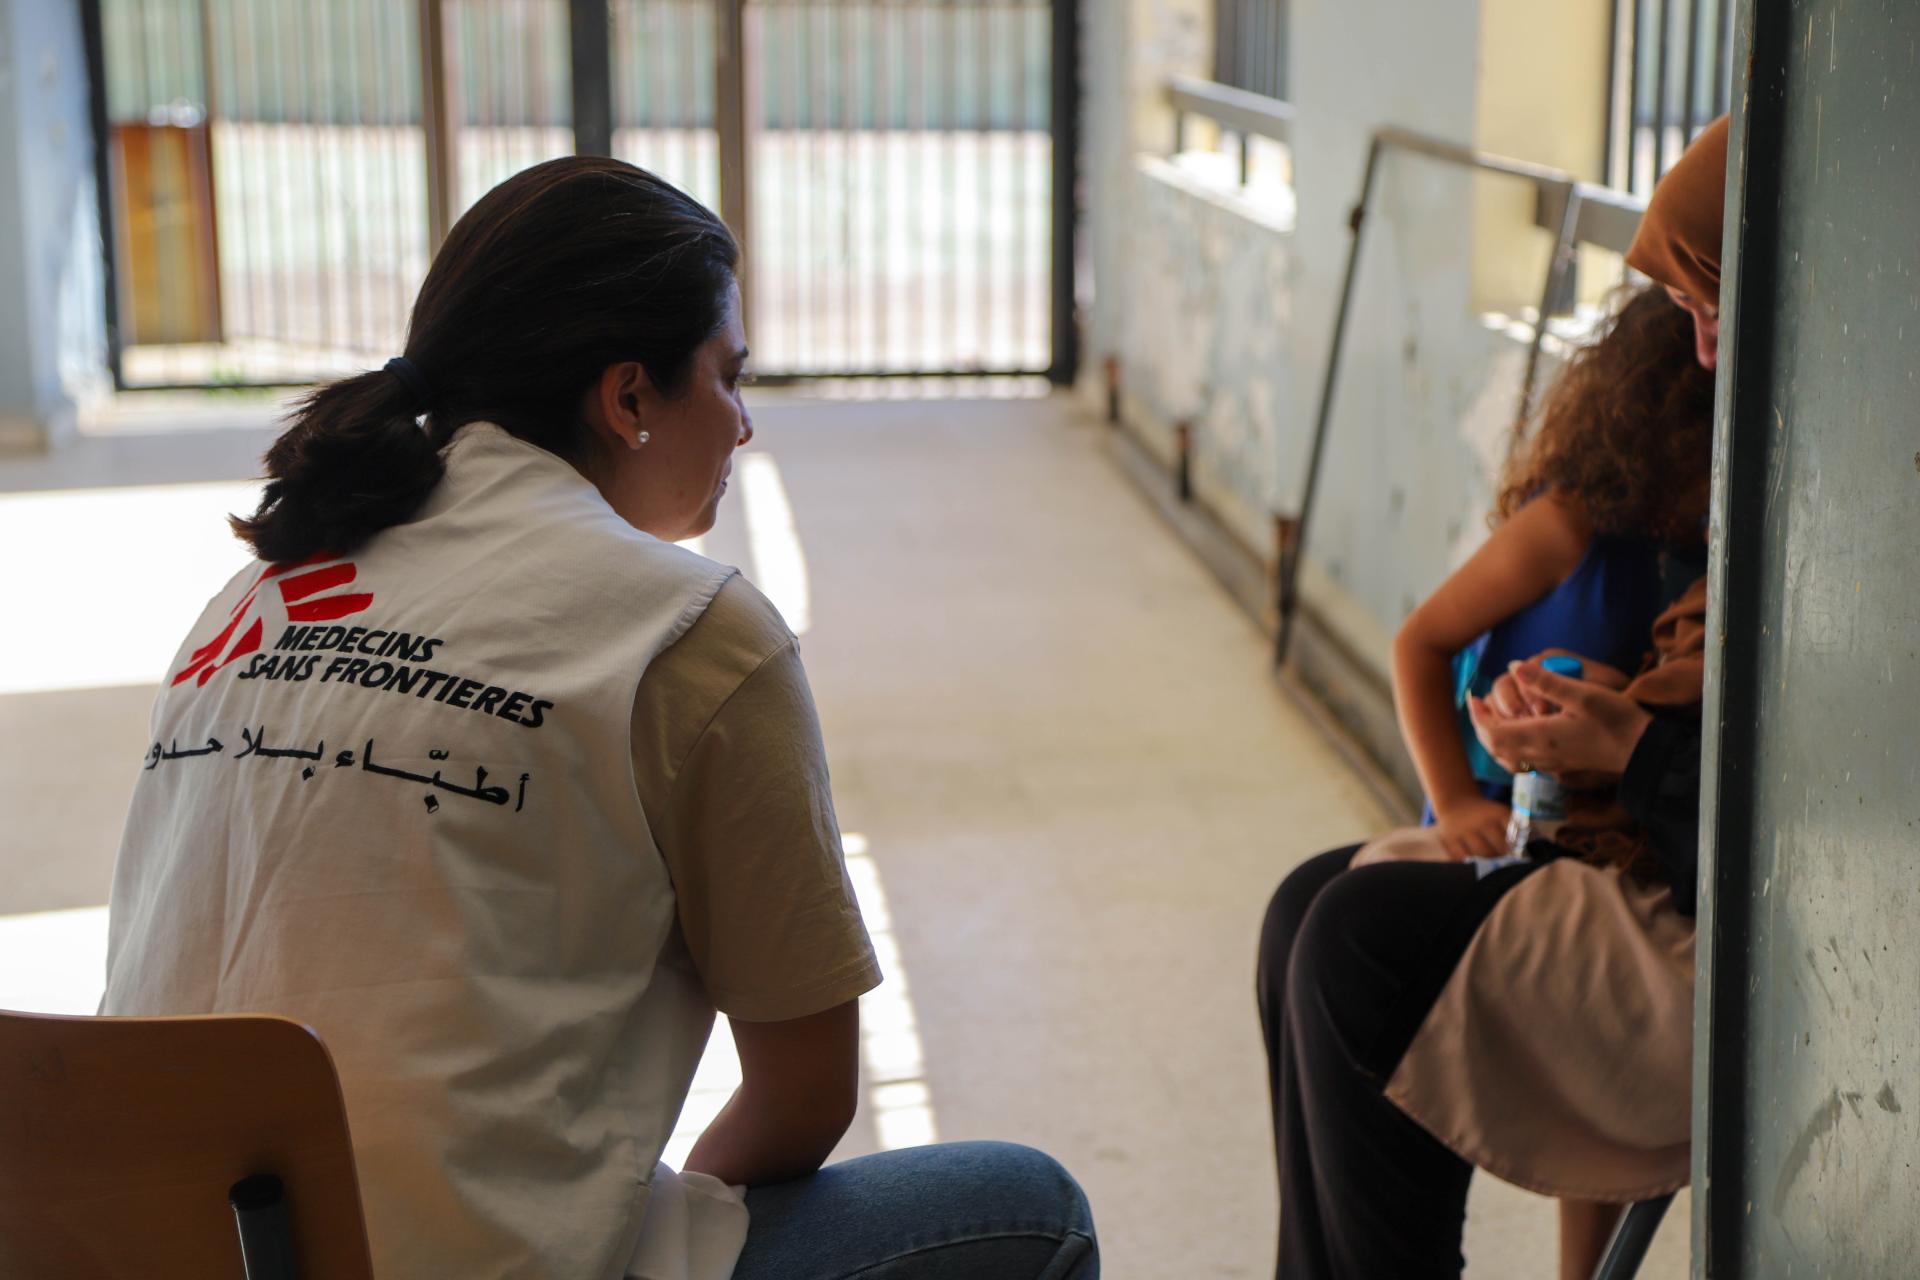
{"x":1539,"y":803}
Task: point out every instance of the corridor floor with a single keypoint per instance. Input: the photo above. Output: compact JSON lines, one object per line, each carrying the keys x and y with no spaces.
{"x":1067,"y":782}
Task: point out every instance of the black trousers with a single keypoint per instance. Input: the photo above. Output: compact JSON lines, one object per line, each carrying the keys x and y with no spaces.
{"x":1350,"y":963}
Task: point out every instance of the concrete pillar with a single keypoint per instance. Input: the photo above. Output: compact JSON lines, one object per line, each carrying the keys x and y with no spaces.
{"x":52,"y":314}
{"x":1128,"y":48}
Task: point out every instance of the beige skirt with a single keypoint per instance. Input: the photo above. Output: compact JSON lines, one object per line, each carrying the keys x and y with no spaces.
{"x":1559,"y":1056}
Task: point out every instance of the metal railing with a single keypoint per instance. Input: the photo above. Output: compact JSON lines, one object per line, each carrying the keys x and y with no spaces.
{"x":904,"y":171}
{"x":1235,"y":109}
{"x":1238,"y":112}
{"x":278,"y":173}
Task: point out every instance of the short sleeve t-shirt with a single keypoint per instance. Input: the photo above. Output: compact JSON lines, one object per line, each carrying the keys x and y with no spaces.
{"x":732,"y":774}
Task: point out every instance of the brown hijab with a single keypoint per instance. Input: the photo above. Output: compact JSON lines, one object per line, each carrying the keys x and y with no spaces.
{"x":1678,"y":243}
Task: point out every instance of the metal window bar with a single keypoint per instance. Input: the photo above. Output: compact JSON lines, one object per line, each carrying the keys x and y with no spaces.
{"x":1250,"y":46}
{"x":905,"y":217}
{"x":666,"y":109}
{"x":280,"y":187}
{"x":1688,"y":103}
{"x":1660,"y":89}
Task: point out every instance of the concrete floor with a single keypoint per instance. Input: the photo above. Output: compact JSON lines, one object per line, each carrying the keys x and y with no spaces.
{"x":1068,"y":783}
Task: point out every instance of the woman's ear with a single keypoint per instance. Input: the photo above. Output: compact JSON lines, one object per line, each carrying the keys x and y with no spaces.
{"x":619,"y":403}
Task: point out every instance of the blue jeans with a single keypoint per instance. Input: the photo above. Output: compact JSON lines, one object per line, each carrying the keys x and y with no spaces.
{"x":955,"y":1211}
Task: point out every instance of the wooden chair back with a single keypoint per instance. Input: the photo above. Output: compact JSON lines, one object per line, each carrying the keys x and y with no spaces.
{"x":120,"y":1138}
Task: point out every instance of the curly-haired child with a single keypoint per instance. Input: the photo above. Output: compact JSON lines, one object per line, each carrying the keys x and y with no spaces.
{"x":1606,"y":494}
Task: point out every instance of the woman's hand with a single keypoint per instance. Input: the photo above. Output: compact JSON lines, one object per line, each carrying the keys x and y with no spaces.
{"x":1474,"y":827}
{"x":1534,"y":719}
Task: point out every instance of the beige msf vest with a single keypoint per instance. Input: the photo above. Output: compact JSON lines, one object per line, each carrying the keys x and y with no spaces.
{"x":392,"y":796}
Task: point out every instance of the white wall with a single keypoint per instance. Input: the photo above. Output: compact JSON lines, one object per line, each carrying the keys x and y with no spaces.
{"x":1401,"y":485}
{"x":52,"y":332}
{"x":1128,"y":47}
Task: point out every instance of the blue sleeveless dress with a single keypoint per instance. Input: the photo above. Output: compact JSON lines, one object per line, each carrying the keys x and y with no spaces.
{"x":1603,"y":610}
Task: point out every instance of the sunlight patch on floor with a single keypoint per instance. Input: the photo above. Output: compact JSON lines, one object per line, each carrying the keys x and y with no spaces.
{"x":890,"y":1048}
{"x":898,"y":1100}
{"x":53,"y":961}
{"x":780,"y":566}
{"x":108,"y":581}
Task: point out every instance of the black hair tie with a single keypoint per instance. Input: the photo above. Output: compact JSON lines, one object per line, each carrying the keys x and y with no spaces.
{"x":414,"y":380}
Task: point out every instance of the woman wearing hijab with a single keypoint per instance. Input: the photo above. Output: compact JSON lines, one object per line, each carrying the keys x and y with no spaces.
{"x":476,"y":773}
{"x":1423,"y":1020}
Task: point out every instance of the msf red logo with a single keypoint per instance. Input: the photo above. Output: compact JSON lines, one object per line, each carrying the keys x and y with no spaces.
{"x":310,"y":590}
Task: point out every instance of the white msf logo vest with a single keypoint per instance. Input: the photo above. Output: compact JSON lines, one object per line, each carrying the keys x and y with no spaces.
{"x":391,"y":795}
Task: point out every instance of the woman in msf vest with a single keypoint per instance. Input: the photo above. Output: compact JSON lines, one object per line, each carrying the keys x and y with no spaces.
{"x":504,"y":794}
{"x":1423,"y":1020}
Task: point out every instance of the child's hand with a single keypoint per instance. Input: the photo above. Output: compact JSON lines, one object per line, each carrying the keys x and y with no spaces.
{"x":1473,"y":828}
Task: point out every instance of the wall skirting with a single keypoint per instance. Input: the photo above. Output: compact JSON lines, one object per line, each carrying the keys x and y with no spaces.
{"x":27,"y":433}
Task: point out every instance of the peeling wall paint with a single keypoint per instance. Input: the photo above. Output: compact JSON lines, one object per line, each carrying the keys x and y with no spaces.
{"x":1423,"y":409}
{"x":1207,"y":343}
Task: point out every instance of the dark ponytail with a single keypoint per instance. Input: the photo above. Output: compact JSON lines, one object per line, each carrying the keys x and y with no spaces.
{"x":354,"y":462}
{"x":556,"y":273}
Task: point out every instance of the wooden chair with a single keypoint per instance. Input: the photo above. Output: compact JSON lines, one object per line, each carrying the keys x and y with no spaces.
{"x":122,"y":1140}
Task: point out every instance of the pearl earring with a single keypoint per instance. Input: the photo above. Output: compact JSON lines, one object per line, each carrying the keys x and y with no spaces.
{"x":642,"y":438}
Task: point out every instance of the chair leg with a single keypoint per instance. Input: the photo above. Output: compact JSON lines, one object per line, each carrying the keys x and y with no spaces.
{"x":266,"y":1229}
{"x":1631,"y":1241}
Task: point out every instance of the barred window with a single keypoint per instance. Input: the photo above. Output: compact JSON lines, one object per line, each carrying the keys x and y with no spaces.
{"x":1671,"y":77}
